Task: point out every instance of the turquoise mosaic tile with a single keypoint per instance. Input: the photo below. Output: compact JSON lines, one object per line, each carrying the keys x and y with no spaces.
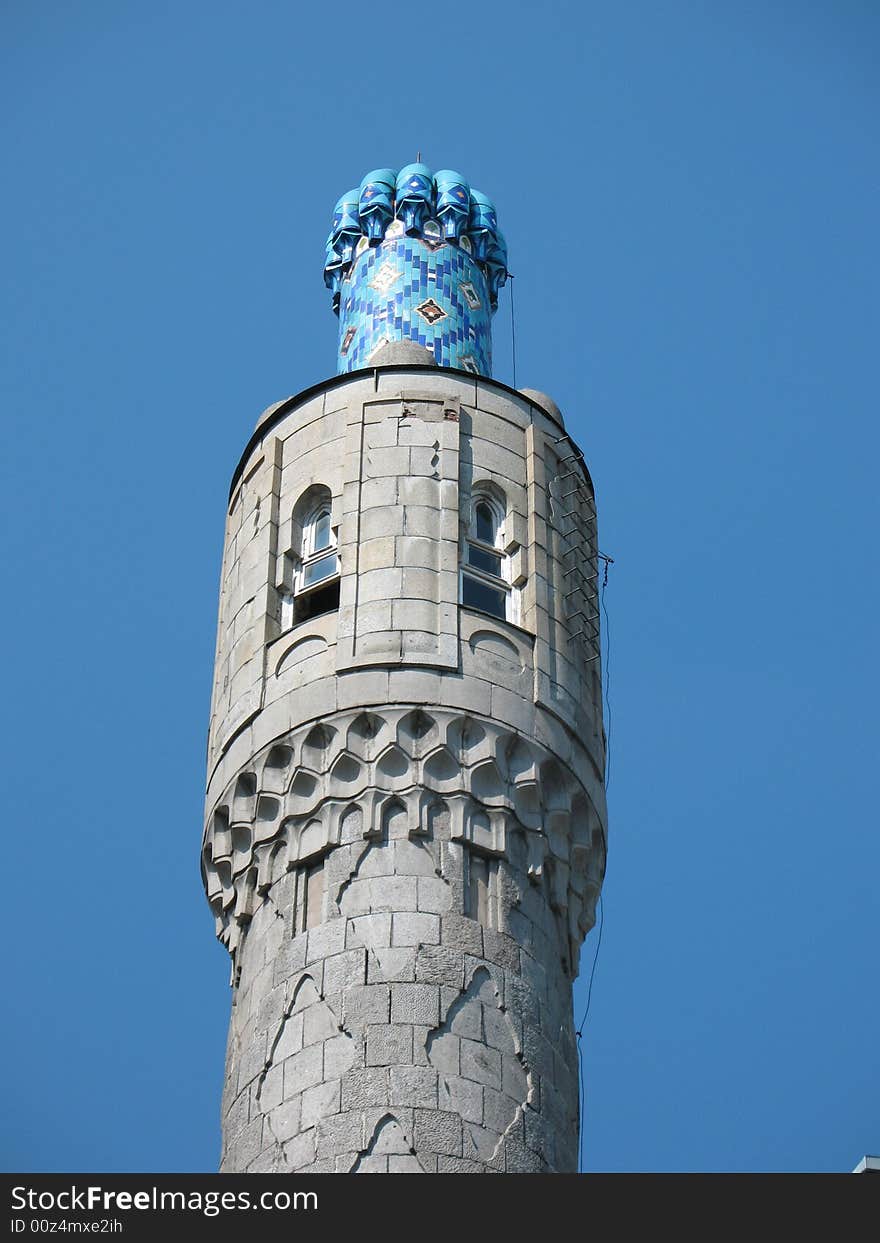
{"x":416,"y":256}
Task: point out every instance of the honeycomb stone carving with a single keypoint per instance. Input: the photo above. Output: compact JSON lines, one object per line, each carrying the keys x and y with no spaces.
{"x":322,"y":787}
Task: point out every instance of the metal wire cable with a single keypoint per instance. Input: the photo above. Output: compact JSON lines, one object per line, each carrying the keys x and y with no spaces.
{"x":512,"y":328}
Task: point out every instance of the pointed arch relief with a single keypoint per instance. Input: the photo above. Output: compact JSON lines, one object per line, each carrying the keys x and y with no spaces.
{"x":388,"y":1151}
{"x":295,"y":1063}
{"x":482,"y":1072}
{"x":315,"y":746}
{"x":367,"y":735}
{"x":417,"y":731}
{"x":393,"y":765}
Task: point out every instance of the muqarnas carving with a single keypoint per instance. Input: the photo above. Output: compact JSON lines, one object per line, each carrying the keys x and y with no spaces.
{"x":505,"y":797}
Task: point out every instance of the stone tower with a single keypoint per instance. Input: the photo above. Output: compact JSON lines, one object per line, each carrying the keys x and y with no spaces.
{"x":405,"y":833}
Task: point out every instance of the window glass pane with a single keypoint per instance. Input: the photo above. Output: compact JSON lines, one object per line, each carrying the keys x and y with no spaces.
{"x":317,"y":571}
{"x":321,"y":531}
{"x":479,"y":595}
{"x":485,"y":522}
{"x":484,"y":560}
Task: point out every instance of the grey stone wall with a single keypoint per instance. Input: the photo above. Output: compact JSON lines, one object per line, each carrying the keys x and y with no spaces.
{"x":405,"y":808}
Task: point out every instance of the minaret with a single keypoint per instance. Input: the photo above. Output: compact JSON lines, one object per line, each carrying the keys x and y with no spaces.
{"x":405,"y":834}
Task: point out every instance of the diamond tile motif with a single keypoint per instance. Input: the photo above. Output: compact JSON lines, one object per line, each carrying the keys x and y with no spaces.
{"x":405,"y":290}
{"x":430,"y":312}
{"x":470,"y":295}
{"x":385,"y":277}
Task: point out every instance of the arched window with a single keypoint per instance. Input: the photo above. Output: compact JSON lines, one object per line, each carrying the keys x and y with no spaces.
{"x":319,"y":559}
{"x":312,"y":577}
{"x":485,"y":571}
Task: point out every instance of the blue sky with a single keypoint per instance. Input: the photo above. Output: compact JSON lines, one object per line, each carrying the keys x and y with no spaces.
{"x":689,"y":193}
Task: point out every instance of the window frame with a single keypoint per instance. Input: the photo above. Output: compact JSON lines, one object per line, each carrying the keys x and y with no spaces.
{"x":498,"y":582}
{"x":311,"y":555}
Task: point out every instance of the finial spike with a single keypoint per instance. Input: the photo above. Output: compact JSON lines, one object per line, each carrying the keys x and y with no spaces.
{"x":418,"y":157}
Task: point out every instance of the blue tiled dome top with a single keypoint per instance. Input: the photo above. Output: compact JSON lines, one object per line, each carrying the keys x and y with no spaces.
{"x":440,"y":209}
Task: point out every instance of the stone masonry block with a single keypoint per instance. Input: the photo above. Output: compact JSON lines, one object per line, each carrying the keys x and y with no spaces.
{"x":521,"y":1160}
{"x":271,"y":1008}
{"x":414,"y":1086}
{"x":422,"y":520}
{"x":363,"y":1086}
{"x":374,"y":616}
{"x":414,"y":859}
{"x":265,"y":1163}
{"x":461,"y":933}
{"x":499,"y":1110}
{"x":318,"y":1024}
{"x":284,"y":1121}
{"x":247,"y":1145}
{"x":481,"y":1064}
{"x":480,"y":1143}
{"x":290,"y":1039}
{"x":342,"y":1133}
{"x":345,"y":969}
{"x":396,"y":894}
{"x":303,"y":1070}
{"x":371,"y":930}
{"x":414,"y":686}
{"x":444,"y":1053}
{"x":434,"y":896}
{"x":420,"y":584}
{"x":360,"y":687}
{"x":539,"y":1136}
{"x":392,"y":964}
{"x":367,"y":1003}
{"x":299,"y":1151}
{"x":324,"y":1165}
{"x":387,"y":461}
{"x":378,"y":647}
{"x":414,"y":615}
{"x":438,"y":1131}
{"x":410,"y":929}
{"x":440,"y":964}
{"x":467,"y":1021}
{"x":320,"y":1102}
{"x":421,"y":1032}
{"x":500,"y":949}
{"x":514,"y":1080}
{"x":462,"y":1096}
{"x":252,"y":1061}
{"x":497,"y":1030}
{"x":381,"y":493}
{"x":339,"y":1054}
{"x":326,"y":939}
{"x":389,"y":1045}
{"x":415,"y":1003}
